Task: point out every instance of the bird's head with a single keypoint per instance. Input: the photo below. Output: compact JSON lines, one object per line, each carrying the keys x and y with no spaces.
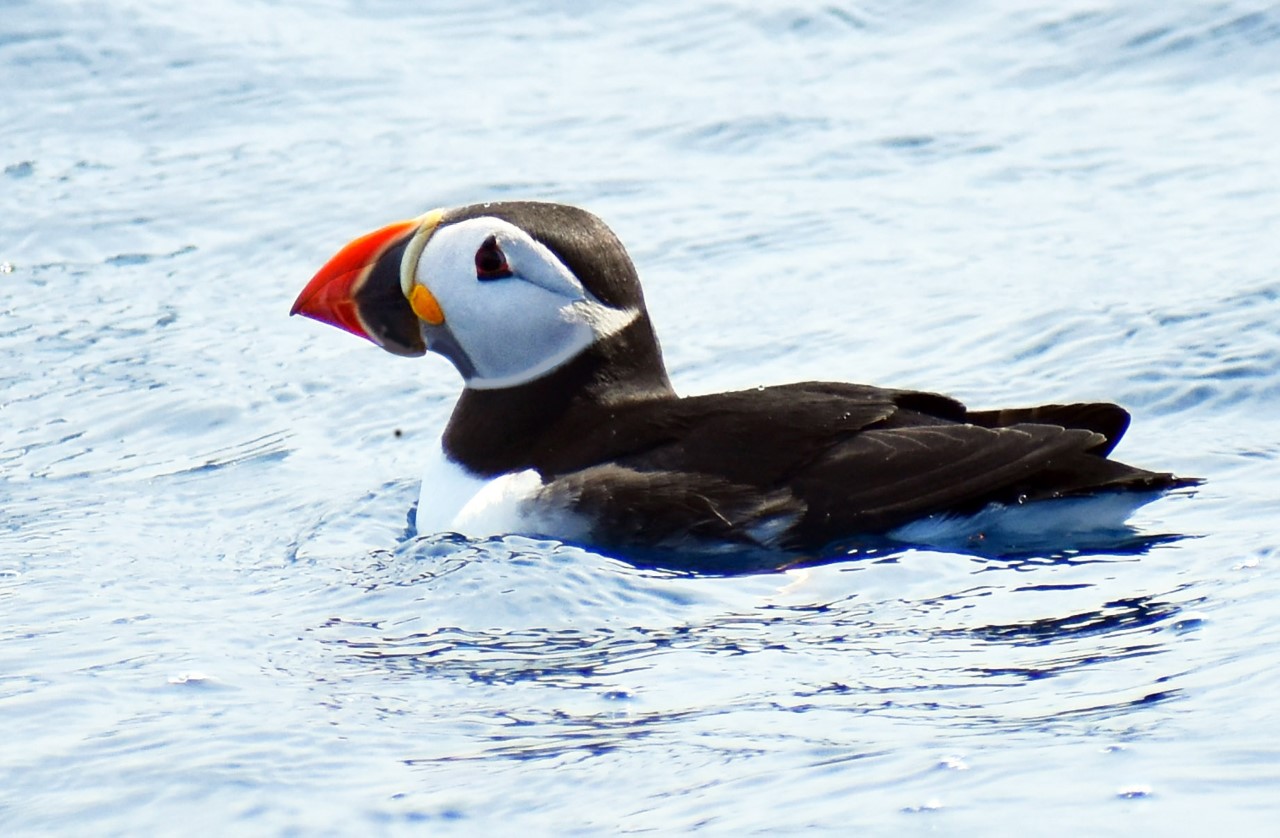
{"x":508,"y":292}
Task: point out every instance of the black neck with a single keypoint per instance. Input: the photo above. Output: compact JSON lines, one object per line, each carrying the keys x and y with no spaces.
{"x":496,"y":431}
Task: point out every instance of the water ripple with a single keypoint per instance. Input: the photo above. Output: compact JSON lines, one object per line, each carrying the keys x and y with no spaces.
{"x":215,"y":607}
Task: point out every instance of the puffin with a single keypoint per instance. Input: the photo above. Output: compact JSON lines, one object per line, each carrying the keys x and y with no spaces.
{"x":568,"y":426}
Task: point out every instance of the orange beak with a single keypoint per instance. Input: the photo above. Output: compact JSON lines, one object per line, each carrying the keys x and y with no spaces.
{"x":330,"y":296}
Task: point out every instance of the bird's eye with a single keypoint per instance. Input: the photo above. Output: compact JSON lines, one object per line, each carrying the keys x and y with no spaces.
{"x":491,"y":262}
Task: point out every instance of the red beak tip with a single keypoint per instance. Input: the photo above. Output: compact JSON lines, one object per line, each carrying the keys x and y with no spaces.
{"x":329,"y":296}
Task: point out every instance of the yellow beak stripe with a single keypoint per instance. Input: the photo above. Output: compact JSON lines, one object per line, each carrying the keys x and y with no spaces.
{"x":425,"y":305}
{"x":427,"y":224}
{"x":422,"y":301}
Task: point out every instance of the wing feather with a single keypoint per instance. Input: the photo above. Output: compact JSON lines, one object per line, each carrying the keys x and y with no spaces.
{"x":665,"y":508}
{"x":884,"y":478}
{"x":809,"y":463}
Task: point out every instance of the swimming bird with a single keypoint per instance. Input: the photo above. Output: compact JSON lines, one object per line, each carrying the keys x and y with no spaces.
{"x":568,"y":426}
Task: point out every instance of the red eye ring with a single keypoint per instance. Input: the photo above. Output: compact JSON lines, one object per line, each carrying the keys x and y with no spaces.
{"x":491,"y":262}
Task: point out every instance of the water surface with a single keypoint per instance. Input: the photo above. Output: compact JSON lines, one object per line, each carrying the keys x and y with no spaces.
{"x":213,"y":615}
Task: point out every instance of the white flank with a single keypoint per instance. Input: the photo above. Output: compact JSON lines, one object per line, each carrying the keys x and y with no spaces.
{"x":1028,"y":526}
{"x":453,"y":499}
{"x":499,"y":508}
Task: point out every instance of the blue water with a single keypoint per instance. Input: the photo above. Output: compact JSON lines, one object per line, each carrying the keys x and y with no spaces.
{"x":211,"y":618}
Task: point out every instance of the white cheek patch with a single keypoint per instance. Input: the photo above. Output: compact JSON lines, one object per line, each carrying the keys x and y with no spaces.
{"x":525,"y":335}
{"x":518,"y":328}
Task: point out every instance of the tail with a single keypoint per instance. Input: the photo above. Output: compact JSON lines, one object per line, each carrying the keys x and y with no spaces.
{"x":1089,"y":472}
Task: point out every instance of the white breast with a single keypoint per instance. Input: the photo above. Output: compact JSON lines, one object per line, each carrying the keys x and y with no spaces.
{"x":453,"y":499}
